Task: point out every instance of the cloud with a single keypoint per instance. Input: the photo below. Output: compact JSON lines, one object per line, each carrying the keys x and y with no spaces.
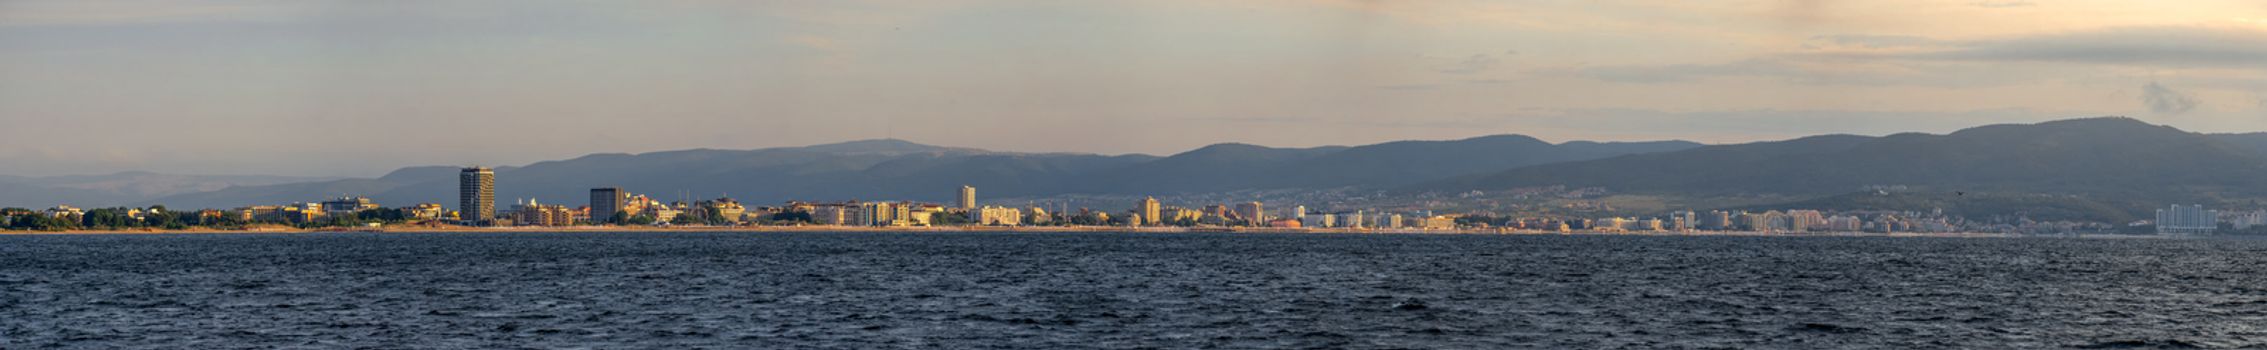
{"x":1362,"y":122}
{"x":1409,"y":87}
{"x":1472,"y":65}
{"x":1877,"y":41}
{"x":2003,"y":4}
{"x":2156,"y":46}
{"x":1873,"y":59}
{"x":90,"y":13}
{"x":1686,"y":72}
{"x":2166,"y":101}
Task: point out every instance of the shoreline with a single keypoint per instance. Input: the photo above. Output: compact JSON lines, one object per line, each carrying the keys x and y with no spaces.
{"x":1004,"y":229}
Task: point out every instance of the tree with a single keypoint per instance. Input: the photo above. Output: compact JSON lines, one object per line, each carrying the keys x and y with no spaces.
{"x":1183,"y":222}
{"x":619,"y":218}
{"x":949,"y":219}
{"x":795,"y":218}
{"x":717,"y":220}
{"x":682,"y":220}
{"x":642,"y":220}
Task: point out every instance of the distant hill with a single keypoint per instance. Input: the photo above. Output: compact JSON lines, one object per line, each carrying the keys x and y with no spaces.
{"x":120,"y":188}
{"x":1227,"y":167}
{"x":900,"y":170}
{"x":2040,"y":207}
{"x":2256,"y":141}
{"x":2105,"y":157}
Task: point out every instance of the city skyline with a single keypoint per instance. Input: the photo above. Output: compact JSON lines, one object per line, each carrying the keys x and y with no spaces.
{"x":217,"y":87}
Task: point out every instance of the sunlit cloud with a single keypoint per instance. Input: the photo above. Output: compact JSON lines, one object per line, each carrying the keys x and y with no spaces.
{"x":228,"y":80}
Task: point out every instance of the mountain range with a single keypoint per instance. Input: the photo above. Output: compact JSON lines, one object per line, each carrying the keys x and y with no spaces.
{"x":2096,"y":168}
{"x":2111,"y":162}
{"x":901,"y":170}
{"x":122,"y":188}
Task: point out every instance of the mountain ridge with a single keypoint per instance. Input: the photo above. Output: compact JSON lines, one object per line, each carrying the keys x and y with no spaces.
{"x":898,"y":169}
{"x":2114,"y":159}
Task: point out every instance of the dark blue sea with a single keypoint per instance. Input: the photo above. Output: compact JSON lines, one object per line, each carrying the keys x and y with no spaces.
{"x":1124,"y":291}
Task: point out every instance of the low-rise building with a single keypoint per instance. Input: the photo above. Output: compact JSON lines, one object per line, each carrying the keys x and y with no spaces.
{"x":998,"y":216}
{"x":830,"y":214}
{"x":423,"y":211}
{"x":348,"y":205}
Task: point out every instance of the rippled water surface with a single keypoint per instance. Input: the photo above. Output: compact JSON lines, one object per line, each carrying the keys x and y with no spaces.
{"x":1072,"y":291}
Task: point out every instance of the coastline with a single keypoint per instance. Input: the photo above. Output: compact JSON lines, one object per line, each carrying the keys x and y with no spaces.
{"x":1004,"y":229}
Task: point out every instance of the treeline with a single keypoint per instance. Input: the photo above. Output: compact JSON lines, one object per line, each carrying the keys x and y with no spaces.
{"x":158,"y":217}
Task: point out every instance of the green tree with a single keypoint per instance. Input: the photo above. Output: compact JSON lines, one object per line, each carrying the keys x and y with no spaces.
{"x":949,"y":219}
{"x":797,"y":218}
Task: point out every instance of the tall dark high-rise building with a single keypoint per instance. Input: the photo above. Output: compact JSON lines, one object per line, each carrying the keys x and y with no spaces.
{"x":476,"y":194}
{"x":604,"y":202}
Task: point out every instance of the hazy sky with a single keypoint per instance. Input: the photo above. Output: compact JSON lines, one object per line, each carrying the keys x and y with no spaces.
{"x":356,"y":88}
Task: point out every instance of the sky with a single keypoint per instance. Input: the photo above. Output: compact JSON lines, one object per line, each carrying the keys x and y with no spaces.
{"x":358,"y":88}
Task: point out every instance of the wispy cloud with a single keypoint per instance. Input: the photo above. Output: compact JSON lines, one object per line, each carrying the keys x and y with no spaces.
{"x":2174,"y":46}
{"x":97,"y":13}
{"x":1472,"y":65}
{"x":2166,"y":101}
{"x":2003,"y":4}
{"x":1409,"y":87}
{"x":1902,"y":59}
{"x":1877,"y":41}
{"x":1686,"y":72}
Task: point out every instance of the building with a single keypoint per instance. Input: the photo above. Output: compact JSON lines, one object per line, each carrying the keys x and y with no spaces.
{"x":967,"y":197}
{"x":723,"y":210}
{"x":1095,"y":216}
{"x":1683,"y":221}
{"x":1284,"y":223}
{"x":259,"y":213}
{"x":300,"y":213}
{"x":1805,"y":220}
{"x":65,"y":212}
{"x":1439,"y":223}
{"x":604,"y":202}
{"x":1611,"y":224}
{"x":1150,"y":211}
{"x":531,"y":213}
{"x":830,"y":214}
{"x":1178,"y":215}
{"x":423,"y":211}
{"x":2245,"y":220}
{"x":349,"y":205}
{"x":875,"y":214}
{"x":1353,"y":220}
{"x":1319,"y":220}
{"x":663,"y":212}
{"x":1251,"y":213}
{"x":998,"y":216}
{"x":923,"y":214}
{"x":1845,"y":223}
{"x":1754,"y":222}
{"x":1716,"y":220}
{"x":2187,"y":219}
{"x":476,"y":194}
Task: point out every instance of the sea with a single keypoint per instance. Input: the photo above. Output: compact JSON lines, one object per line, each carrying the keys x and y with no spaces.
{"x":723,"y":290}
